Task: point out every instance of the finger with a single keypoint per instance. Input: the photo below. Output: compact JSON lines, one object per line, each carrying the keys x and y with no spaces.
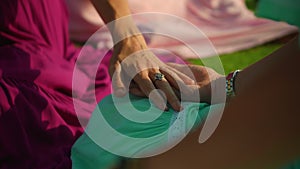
{"x":187,"y":77}
{"x":177,"y":93}
{"x":196,"y":72}
{"x":179,"y":67}
{"x":193,"y":96}
{"x":164,"y":85}
{"x":135,"y":90}
{"x":119,"y":88}
{"x":198,"y":94}
{"x":175,"y":81}
{"x":147,"y":87}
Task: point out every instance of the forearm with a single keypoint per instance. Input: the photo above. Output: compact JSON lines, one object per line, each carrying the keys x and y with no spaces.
{"x":111,"y":11}
{"x":270,"y":89}
{"x":280,"y":63}
{"x":259,"y":127}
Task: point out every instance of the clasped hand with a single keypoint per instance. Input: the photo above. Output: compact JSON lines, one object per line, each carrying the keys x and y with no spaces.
{"x":133,"y":68}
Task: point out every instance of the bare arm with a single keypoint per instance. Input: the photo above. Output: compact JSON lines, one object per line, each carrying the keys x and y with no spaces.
{"x":260,"y":127}
{"x":142,"y":64}
{"x":112,"y":10}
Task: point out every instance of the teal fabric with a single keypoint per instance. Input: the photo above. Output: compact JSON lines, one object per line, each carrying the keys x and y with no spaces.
{"x":294,"y":165}
{"x":280,"y":10}
{"x":166,"y":128}
{"x":87,"y":154}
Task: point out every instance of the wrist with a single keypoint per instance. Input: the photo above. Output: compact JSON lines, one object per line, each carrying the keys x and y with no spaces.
{"x":129,"y":46}
{"x":122,"y":29}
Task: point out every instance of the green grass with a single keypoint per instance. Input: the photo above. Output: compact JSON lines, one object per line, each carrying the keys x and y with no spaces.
{"x":242,"y":59}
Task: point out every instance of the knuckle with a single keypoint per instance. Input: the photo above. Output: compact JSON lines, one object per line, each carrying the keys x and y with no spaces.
{"x":142,"y":75}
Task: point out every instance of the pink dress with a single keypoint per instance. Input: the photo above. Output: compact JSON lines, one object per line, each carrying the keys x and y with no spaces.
{"x":38,"y":123}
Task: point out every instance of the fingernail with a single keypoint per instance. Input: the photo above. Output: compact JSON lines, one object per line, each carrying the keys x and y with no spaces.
{"x":179,"y":109}
{"x":163,"y":107}
{"x":191,"y":82}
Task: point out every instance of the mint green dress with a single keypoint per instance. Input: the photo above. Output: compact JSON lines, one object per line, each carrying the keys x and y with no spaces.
{"x":134,"y":128}
{"x":110,"y":134}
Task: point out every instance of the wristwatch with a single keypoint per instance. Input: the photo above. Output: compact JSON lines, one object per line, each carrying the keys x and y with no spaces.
{"x":230,"y":79}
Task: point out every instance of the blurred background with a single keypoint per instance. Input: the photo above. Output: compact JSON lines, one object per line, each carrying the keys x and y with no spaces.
{"x":278,"y":10}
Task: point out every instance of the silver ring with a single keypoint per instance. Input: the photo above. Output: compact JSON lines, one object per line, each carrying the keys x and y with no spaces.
{"x":158,"y":76}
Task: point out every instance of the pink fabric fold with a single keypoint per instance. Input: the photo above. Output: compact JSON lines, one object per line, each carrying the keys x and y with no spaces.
{"x":228,"y":24}
{"x":38,"y":122}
